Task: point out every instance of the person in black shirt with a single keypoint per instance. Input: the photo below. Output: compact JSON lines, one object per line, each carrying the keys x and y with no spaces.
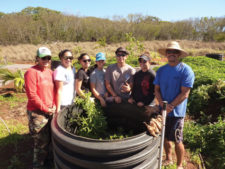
{"x":83,"y":75}
{"x":143,"y":87}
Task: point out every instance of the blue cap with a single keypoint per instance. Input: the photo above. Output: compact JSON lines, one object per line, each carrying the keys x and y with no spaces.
{"x":100,"y":56}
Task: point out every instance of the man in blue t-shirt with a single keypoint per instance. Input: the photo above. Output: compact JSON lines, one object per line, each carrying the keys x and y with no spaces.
{"x":172,"y":84}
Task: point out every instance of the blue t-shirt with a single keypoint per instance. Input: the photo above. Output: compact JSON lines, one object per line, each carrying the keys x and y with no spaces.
{"x":170,"y":80}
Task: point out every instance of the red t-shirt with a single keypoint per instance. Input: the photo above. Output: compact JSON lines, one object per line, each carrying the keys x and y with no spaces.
{"x":39,"y":87}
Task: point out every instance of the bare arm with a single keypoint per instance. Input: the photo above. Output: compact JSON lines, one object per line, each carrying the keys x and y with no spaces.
{"x":78,"y":88}
{"x":97,"y":95}
{"x":109,"y":88}
{"x":111,"y":91}
{"x":181,"y":97}
{"x":59,"y":86}
{"x":158,"y":95}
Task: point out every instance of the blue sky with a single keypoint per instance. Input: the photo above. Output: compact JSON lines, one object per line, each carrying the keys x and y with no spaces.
{"x":168,"y":10}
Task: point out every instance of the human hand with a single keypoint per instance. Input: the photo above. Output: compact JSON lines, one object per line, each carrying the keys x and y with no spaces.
{"x":118,"y":99}
{"x":140,"y":104}
{"x":131,"y":100}
{"x":169,"y":108}
{"x":51,"y":110}
{"x":102,"y":101}
{"x":125,"y":88}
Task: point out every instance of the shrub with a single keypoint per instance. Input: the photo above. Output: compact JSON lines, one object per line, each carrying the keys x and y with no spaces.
{"x":207,"y":70}
{"x":17,"y":77}
{"x":209,"y":140}
{"x":206,"y":103}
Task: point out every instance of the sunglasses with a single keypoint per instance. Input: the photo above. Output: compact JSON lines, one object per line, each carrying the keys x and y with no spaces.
{"x":142,"y":61}
{"x":119,"y":55}
{"x":172,"y":51}
{"x":46,"y":58}
{"x":88,"y":60}
{"x":68,"y":57}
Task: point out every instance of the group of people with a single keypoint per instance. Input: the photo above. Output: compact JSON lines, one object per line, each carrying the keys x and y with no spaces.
{"x":49,"y":91}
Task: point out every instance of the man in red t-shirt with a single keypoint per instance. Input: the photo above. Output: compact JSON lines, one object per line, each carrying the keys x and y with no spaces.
{"x":40,"y":107}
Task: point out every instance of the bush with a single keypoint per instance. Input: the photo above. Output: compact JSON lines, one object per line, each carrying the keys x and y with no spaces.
{"x":207,"y":70}
{"x":209,"y":140}
{"x":206,"y":103}
{"x":206,"y":100}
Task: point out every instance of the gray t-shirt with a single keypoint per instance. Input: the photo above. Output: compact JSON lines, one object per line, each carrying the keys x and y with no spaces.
{"x":98,"y":78}
{"x":118,"y":76}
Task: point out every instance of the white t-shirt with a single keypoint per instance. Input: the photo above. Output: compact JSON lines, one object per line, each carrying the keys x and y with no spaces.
{"x":68,"y":79}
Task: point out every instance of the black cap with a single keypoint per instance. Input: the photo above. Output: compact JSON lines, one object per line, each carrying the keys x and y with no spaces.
{"x":121,"y":49}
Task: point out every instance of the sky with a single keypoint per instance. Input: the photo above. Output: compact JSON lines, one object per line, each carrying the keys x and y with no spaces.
{"x":166,"y":10}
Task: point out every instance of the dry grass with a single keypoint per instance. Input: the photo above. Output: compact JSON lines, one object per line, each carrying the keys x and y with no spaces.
{"x":26,"y":52}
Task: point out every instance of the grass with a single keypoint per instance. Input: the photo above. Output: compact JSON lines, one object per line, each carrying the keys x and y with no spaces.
{"x":26,"y":52}
{"x":17,"y":130}
{"x":12,"y":100}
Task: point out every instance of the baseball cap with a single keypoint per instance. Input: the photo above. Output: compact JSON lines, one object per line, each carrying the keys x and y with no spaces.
{"x":144,"y":57}
{"x":43,"y":51}
{"x":100,"y":56}
{"x":121,"y":49}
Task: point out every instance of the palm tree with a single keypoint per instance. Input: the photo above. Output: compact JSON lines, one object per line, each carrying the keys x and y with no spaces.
{"x":17,"y":77}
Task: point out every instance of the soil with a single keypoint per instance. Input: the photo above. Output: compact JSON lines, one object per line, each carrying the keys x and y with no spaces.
{"x":19,"y":155}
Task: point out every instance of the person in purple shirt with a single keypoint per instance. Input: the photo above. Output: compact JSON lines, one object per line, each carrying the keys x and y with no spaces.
{"x":173,"y":83}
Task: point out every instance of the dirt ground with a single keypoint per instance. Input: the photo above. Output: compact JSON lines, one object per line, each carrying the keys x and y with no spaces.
{"x":20,"y":154}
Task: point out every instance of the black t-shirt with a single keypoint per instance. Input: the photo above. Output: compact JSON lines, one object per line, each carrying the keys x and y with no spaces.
{"x":85,"y":78}
{"x":143,"y":87}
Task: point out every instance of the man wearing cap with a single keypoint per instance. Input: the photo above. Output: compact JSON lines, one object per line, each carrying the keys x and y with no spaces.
{"x":97,"y":79}
{"x":172,"y":84}
{"x":41,"y":105}
{"x":143,"y":87}
{"x":118,"y":77}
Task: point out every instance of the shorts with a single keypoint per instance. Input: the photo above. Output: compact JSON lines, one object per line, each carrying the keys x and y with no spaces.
{"x":174,"y":129}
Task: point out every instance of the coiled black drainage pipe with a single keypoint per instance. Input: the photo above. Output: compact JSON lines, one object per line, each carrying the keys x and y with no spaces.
{"x":76,"y":152}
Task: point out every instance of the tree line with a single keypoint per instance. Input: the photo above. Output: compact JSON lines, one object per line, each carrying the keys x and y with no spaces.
{"x":42,"y":25}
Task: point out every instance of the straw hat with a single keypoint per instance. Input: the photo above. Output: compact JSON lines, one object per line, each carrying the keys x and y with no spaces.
{"x":172,"y":45}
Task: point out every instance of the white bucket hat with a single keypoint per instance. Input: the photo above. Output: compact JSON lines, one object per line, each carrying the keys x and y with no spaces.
{"x":172,"y":45}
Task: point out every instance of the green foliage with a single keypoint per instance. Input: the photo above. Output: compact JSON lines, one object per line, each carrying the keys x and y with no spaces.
{"x":46,"y":25}
{"x":207,"y":70}
{"x":17,"y":77}
{"x":86,"y":118}
{"x":11,"y":99}
{"x":220,"y":37}
{"x":102,"y":42}
{"x":206,"y":102}
{"x":91,"y":122}
{"x":208,"y":94}
{"x":134,"y":45}
{"x":209,"y":140}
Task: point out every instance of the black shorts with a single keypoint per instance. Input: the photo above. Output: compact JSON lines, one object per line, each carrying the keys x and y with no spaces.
{"x":174,"y":129}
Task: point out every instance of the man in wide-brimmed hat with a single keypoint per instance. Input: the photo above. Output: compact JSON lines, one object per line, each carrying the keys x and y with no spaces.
{"x":172,"y":84}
